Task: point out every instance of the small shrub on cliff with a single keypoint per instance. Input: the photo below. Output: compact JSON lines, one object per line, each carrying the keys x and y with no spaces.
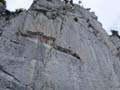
{"x":10,"y":14}
{"x":114,"y":32}
{"x":19,"y":11}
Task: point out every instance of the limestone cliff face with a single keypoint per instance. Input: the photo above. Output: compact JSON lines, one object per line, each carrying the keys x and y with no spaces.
{"x":2,"y":8}
{"x":115,"y":38}
{"x":54,"y":46}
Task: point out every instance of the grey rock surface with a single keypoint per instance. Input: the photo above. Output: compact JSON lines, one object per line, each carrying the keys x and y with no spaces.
{"x":116,"y":41}
{"x":54,"y":46}
{"x":2,"y":8}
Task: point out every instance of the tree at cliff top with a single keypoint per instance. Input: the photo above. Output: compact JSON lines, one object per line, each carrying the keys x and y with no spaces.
{"x":114,"y":32}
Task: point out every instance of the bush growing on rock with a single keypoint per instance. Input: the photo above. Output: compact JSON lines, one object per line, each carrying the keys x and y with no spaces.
{"x":114,"y":32}
{"x":10,"y":14}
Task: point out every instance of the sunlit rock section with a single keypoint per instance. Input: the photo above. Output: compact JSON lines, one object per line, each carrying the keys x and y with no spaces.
{"x":56,"y":46}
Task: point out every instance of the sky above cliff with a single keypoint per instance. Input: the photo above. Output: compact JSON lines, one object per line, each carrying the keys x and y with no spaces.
{"x":107,"y":10}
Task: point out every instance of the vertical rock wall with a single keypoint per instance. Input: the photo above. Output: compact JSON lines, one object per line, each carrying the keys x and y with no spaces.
{"x":56,"y":46}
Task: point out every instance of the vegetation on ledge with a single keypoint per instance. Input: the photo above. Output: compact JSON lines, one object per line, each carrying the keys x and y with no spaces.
{"x":115,"y":32}
{"x":9,"y":14}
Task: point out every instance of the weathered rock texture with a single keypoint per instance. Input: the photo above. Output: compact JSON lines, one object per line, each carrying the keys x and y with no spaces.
{"x":115,"y":38}
{"x":2,"y":8}
{"x":54,"y":46}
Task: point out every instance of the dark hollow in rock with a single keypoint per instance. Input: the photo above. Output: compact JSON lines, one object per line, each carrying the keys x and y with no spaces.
{"x":42,"y":11}
{"x":76,"y":19}
{"x":49,"y":0}
{"x":1,"y":31}
{"x":67,"y":51}
{"x":53,"y":16}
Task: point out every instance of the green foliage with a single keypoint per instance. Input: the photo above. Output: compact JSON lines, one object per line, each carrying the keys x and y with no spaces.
{"x":19,"y":11}
{"x":114,"y":32}
{"x":10,"y":14}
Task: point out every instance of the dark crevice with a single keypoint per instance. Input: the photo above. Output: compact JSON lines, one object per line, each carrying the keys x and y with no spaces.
{"x":51,"y":41}
{"x":10,"y":85}
{"x":62,"y":23}
{"x":95,"y":32}
{"x":44,"y":11}
{"x":35,"y":33}
{"x":89,"y":24}
{"x":9,"y":74}
{"x":76,"y":19}
{"x":13,"y":41}
{"x":29,"y":34}
{"x":22,"y":34}
{"x":49,"y":38}
{"x":1,"y":31}
{"x":49,"y":0}
{"x":67,"y":51}
{"x":53,"y":15}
